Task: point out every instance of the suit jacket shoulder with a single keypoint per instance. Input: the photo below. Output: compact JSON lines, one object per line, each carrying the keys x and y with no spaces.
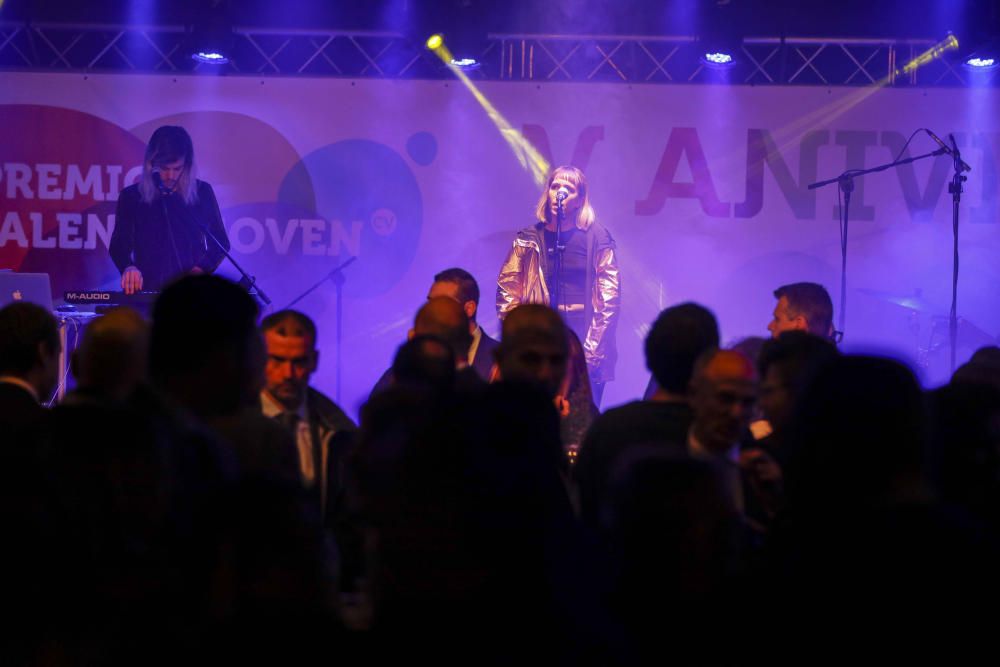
{"x":328,"y":412}
{"x":18,"y":408}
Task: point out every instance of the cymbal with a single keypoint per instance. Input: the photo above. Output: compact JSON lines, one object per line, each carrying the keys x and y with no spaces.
{"x":911,"y":302}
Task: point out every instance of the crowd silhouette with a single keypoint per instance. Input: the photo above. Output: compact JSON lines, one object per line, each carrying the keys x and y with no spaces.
{"x":193,"y":499}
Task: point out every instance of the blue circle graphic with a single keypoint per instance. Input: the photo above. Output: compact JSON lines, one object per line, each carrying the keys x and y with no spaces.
{"x":422,"y":148}
{"x":370,"y":202}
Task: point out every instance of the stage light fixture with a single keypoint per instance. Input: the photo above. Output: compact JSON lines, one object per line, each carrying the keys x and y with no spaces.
{"x":982,"y":52}
{"x":457,"y":30}
{"x":981,"y":63}
{"x":984,"y":60}
{"x":436,"y":44}
{"x":465,"y":64}
{"x":720,"y":34}
{"x":212,"y":34}
{"x":718,"y":59}
{"x":210,"y":57}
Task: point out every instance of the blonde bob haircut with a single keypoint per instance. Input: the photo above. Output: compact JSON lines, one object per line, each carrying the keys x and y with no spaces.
{"x":585,"y":218}
{"x":169,"y":144}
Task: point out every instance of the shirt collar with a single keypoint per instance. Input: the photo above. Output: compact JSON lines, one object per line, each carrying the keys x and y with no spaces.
{"x":477,"y":336}
{"x":270,"y":407}
{"x":699,"y":451}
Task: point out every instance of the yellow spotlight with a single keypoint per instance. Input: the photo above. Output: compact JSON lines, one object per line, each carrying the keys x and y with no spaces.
{"x":788,"y":135}
{"x":433,"y":42}
{"x":936,"y":51}
{"x":527,"y":155}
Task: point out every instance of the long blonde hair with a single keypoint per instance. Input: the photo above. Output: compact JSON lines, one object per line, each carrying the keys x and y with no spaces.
{"x":168,"y":144}
{"x":585,"y":218}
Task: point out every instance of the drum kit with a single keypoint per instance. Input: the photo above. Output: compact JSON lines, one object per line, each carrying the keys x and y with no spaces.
{"x":933,"y":343}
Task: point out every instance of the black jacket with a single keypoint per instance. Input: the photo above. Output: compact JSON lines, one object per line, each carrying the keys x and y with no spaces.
{"x":164,"y":238}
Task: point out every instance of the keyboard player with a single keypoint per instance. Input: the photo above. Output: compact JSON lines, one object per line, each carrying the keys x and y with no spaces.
{"x":164,"y":224}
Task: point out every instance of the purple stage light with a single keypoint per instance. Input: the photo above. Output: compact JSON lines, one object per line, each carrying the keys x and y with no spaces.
{"x":718,"y":59}
{"x":980,"y":64}
{"x":210,"y":57}
{"x":465,"y":64}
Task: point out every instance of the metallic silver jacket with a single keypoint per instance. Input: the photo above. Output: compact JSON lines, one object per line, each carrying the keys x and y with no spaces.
{"x":522,"y":280}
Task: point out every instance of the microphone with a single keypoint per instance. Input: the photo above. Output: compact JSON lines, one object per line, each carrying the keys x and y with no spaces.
{"x":158,"y":182}
{"x":937,"y":140}
{"x":958,"y":155}
{"x":950,"y":150}
{"x":562,"y":194}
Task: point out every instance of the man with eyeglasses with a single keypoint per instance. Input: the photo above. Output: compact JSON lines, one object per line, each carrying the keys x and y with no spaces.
{"x":803,"y":307}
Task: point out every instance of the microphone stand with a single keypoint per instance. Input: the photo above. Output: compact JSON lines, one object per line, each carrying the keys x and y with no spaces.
{"x":337,"y":276}
{"x":955,"y":188}
{"x":560,"y":218}
{"x":164,"y":193}
{"x":247,"y":281}
{"x":846,"y":184}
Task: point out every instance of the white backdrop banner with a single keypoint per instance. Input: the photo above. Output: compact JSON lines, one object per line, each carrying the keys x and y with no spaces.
{"x":703,"y":188}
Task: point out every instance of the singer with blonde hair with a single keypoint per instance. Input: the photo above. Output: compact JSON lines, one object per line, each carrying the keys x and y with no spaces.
{"x":571,"y":266}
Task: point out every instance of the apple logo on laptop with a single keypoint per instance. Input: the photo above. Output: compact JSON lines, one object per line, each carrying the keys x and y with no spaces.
{"x":17,"y":295}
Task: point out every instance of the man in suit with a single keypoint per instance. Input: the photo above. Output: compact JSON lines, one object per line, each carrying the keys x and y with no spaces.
{"x":803,"y":307}
{"x":321,"y":429}
{"x":474,"y":349}
{"x":29,"y":363}
{"x":206,"y":358}
{"x":458,"y":284}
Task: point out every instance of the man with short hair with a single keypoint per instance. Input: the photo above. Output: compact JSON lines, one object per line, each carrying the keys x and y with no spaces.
{"x":802,"y":307}
{"x":320,"y":427}
{"x":786,"y":366}
{"x":533,"y":348}
{"x":678,"y":336}
{"x":29,"y":363}
{"x":206,"y":357}
{"x":458,"y":284}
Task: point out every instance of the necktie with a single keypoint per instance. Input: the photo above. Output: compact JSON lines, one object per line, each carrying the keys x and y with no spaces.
{"x":307,"y":459}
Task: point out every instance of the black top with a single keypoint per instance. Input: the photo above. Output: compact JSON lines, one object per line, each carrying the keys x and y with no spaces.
{"x":165,"y":238}
{"x":658,"y":424}
{"x":572,"y":289}
{"x":18,"y":408}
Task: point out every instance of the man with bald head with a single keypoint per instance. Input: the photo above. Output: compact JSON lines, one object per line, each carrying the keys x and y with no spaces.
{"x":445,"y":319}
{"x":533,"y":347}
{"x":723,"y":395}
{"x":458,"y":284}
{"x":724,"y":390}
{"x":110,"y":362}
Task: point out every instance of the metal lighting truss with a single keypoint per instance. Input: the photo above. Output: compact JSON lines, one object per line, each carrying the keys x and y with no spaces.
{"x":515,"y":57}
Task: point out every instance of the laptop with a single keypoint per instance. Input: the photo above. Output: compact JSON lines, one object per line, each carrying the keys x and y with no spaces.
{"x":31,"y":287}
